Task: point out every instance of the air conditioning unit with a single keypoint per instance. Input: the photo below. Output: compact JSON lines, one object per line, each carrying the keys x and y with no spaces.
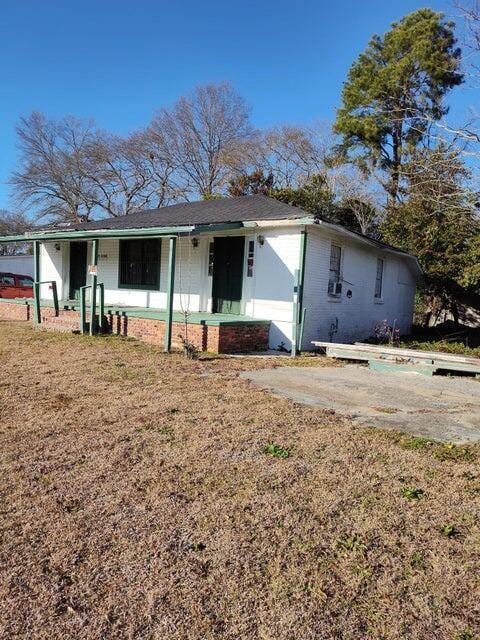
{"x":335,"y":288}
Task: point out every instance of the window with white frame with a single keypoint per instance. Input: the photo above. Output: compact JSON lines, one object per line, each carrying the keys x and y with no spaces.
{"x":379,"y":279}
{"x":334,"y":279}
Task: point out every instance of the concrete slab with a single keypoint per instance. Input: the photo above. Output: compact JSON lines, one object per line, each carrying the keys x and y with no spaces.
{"x":441,"y":408}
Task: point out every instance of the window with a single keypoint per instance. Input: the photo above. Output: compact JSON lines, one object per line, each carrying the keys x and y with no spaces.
{"x":25,"y":281}
{"x":250,"y":258}
{"x":334,"y":284}
{"x":8,"y":280}
{"x":379,"y":279}
{"x":139,"y":265}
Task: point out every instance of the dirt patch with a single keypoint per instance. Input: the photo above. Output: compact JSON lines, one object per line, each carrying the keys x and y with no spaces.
{"x":145,"y":496}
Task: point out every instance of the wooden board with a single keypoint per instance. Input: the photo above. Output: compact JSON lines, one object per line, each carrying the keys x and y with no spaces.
{"x":431,"y":360}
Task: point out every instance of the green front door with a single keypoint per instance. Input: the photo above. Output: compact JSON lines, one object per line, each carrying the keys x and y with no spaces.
{"x":227,"y":274}
{"x":78,"y":268}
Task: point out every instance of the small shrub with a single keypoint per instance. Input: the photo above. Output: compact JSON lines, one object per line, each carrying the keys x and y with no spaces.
{"x":418,"y":561}
{"x":416,"y":443}
{"x":276,"y":451}
{"x":363,"y":572}
{"x":189,"y":349}
{"x":386,"y":409}
{"x":412,"y":493}
{"x":466,"y":634}
{"x":449,"y":531}
{"x":384,"y":332}
{"x":350,"y":543}
{"x":454,"y":453}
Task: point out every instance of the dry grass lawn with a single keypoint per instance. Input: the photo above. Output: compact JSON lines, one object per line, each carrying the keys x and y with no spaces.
{"x":146,"y":496}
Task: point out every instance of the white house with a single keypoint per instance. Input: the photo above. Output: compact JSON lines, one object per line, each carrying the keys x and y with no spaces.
{"x":248,"y":270}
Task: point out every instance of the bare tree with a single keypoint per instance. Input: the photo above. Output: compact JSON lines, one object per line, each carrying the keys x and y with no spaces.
{"x":291,"y":154}
{"x":13,"y":224}
{"x":126,"y":174}
{"x":205,"y":134}
{"x":51,"y":178}
{"x":358,"y":195}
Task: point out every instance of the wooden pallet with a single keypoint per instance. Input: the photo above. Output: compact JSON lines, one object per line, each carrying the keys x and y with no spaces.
{"x":381,"y":358}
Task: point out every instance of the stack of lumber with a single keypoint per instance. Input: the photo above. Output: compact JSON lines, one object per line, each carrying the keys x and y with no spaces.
{"x":383,"y":358}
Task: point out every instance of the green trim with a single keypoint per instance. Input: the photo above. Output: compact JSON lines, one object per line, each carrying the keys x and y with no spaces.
{"x":93,"y":294}
{"x":196,"y":317}
{"x":36,"y":278}
{"x":19,"y":301}
{"x":83,"y":313}
{"x":145,"y":232}
{"x":172,"y":249}
{"x":98,"y":234}
{"x":298,"y":310}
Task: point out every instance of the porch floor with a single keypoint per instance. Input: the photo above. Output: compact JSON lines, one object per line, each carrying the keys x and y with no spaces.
{"x":205,"y":318}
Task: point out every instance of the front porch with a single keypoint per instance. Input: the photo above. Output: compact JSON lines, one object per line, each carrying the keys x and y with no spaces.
{"x":214,"y":332}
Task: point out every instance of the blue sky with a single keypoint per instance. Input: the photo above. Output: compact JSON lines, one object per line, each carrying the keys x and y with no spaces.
{"x":118,"y":60}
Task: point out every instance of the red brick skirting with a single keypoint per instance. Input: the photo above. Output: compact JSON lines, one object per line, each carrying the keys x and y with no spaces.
{"x":224,"y":338}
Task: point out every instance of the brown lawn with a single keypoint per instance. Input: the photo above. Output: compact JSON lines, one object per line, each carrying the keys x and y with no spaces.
{"x":138,"y":501}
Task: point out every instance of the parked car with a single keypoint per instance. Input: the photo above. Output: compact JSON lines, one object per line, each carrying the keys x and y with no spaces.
{"x":13,"y":285}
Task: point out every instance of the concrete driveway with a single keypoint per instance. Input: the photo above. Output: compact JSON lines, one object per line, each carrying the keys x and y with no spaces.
{"x":441,"y":408}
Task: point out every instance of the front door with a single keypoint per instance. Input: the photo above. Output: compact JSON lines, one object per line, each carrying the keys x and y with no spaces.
{"x":78,"y":268}
{"x":227,"y":274}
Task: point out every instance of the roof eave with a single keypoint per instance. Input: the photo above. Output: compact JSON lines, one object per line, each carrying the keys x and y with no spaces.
{"x":98,"y":233}
{"x":373,"y":243}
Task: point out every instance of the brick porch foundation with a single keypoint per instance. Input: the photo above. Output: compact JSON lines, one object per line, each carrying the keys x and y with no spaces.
{"x":218,"y":338}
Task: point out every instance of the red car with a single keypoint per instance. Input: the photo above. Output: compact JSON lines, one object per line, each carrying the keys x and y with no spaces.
{"x":13,"y":285}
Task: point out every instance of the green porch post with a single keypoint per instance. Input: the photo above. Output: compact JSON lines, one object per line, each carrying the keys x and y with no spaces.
{"x":298,"y":310}
{"x":93,"y":292}
{"x":36,"y":279}
{"x":170,"y":288}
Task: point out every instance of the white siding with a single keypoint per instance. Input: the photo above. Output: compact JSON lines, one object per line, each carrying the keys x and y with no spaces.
{"x":358,"y":314}
{"x":52,"y":267}
{"x":270,"y":294}
{"x":22,"y":265}
{"x":190,"y":273}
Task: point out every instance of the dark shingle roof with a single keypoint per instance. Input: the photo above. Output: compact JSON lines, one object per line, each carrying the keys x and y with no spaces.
{"x":241,"y":209}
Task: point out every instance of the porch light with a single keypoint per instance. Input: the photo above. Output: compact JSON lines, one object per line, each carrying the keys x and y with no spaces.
{"x":194,"y":243}
{"x":261,"y":240}
{"x":57,"y":246}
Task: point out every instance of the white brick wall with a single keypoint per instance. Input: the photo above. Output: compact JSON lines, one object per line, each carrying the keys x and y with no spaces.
{"x":356,"y":315}
{"x":22,"y":265}
{"x":52,"y":267}
{"x":269,"y":293}
{"x":190,"y":272}
{"x":271,"y":289}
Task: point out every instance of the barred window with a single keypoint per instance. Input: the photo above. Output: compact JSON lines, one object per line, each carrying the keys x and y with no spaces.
{"x":140,"y":264}
{"x":379,"y":278}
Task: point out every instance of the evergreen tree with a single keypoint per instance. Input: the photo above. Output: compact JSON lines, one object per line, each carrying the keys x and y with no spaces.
{"x":437,"y":222}
{"x":394,"y":89}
